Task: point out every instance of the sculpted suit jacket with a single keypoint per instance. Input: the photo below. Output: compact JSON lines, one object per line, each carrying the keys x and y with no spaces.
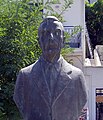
{"x":35,"y":101}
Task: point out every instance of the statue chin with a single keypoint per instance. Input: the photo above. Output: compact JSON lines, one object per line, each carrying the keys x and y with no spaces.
{"x":51,"y":55}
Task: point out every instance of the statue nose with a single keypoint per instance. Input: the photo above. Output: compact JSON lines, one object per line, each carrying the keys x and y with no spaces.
{"x":51,"y":35}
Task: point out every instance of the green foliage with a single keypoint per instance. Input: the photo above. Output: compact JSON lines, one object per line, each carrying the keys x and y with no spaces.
{"x":94,"y":22}
{"x":19,"y":22}
{"x":18,"y":47}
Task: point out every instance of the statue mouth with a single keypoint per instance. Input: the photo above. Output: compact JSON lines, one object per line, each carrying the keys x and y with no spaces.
{"x":51,"y":47}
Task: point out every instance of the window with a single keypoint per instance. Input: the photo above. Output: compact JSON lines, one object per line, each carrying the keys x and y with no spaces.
{"x":99,"y":104}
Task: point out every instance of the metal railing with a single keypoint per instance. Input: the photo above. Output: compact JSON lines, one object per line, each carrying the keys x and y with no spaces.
{"x":75,"y":40}
{"x":88,"y":42}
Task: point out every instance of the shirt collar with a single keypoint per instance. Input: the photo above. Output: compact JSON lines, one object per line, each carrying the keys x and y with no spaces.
{"x":57,"y":64}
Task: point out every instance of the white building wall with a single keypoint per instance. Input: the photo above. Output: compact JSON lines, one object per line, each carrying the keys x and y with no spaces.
{"x":94,"y":79}
{"x":76,"y":58}
{"x":75,"y":14}
{"x":92,"y":1}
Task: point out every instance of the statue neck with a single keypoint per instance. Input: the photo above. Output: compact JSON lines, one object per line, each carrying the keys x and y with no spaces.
{"x":52,"y":58}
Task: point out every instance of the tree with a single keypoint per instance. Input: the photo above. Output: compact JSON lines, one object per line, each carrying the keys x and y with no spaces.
{"x":19,"y":22}
{"x":94,"y":22}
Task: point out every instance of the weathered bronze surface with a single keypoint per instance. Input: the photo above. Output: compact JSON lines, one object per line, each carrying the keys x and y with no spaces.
{"x":51,"y":88}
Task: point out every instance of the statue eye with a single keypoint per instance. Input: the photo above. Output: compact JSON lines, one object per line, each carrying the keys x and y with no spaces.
{"x":57,"y":32}
{"x":44,"y":33}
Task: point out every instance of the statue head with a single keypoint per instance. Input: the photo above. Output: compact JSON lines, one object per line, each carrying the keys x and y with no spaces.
{"x":51,"y":38}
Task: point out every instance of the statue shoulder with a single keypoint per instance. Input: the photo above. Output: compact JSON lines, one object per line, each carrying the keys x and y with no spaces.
{"x":71,"y":67}
{"x":75,"y":72}
{"x":31,"y":68}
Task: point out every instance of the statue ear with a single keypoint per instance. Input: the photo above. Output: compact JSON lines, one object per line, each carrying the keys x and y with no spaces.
{"x":63,"y":41}
{"x":62,"y":45}
{"x":39,"y":42}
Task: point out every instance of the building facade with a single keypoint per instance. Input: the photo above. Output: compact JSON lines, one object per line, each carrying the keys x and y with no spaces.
{"x":82,"y":57}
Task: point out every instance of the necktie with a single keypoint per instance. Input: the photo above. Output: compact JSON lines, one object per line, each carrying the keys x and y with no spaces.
{"x":51,"y":77}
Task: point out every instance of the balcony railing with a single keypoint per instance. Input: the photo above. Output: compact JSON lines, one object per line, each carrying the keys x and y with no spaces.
{"x":89,"y":53}
{"x":75,"y":39}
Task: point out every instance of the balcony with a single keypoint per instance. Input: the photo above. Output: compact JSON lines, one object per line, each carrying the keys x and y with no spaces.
{"x":75,"y":40}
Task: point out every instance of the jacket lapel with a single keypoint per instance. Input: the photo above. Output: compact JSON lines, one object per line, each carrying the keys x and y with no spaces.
{"x":63,"y":81}
{"x":41,"y":84}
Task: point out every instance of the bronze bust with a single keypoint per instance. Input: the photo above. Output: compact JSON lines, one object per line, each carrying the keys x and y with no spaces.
{"x":51,"y":88}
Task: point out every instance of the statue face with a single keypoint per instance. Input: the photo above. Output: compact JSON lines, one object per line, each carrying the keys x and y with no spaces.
{"x":51,"y":37}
